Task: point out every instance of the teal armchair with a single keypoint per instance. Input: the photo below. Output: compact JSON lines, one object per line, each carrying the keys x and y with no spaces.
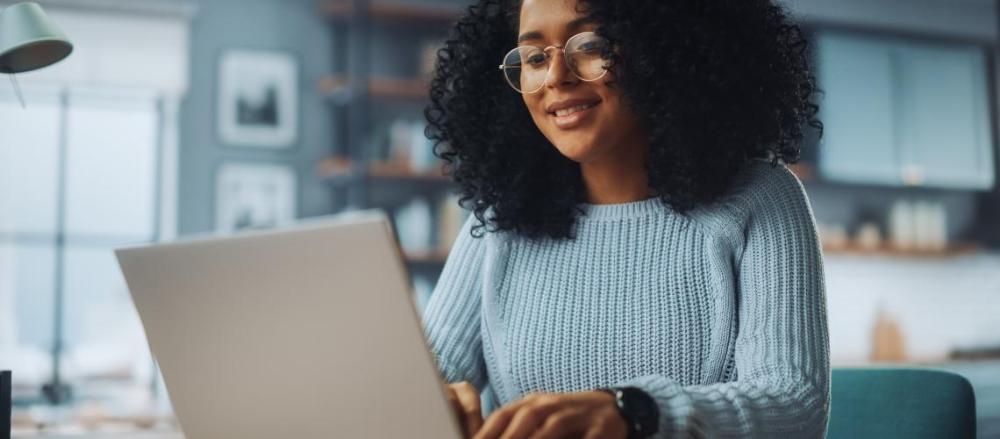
{"x":900,"y":403}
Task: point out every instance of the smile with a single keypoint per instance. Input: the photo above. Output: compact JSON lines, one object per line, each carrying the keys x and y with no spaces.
{"x":571,"y":110}
{"x":573,"y":116}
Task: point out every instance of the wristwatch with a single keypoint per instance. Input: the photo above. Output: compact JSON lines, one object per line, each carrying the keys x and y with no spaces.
{"x":641,"y":414}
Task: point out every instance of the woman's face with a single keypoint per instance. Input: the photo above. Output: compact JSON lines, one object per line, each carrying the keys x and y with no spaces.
{"x":587,"y":135}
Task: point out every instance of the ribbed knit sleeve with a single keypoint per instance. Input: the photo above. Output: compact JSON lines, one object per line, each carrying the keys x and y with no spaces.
{"x":782,"y":379}
{"x":452,"y":316}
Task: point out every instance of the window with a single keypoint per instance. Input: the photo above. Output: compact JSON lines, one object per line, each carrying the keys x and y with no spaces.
{"x":79,"y":176}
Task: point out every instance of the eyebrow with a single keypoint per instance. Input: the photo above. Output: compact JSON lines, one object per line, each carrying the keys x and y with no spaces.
{"x":573,"y":25}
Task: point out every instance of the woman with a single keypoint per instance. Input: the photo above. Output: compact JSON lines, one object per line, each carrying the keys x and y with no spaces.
{"x":648,"y":266}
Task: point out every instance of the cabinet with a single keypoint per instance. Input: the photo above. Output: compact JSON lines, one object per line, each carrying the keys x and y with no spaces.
{"x":946,"y":138}
{"x":905,"y":113}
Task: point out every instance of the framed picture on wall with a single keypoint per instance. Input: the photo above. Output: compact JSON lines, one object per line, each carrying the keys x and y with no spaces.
{"x":258,"y":103}
{"x":254,"y":196}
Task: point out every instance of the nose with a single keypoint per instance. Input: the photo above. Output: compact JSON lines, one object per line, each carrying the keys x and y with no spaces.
{"x":559,"y":72}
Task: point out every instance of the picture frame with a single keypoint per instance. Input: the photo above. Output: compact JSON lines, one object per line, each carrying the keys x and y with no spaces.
{"x":258,"y":99}
{"x":254,"y":196}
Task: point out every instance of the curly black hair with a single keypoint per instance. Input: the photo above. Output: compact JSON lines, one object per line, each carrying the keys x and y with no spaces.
{"x":718,"y":83}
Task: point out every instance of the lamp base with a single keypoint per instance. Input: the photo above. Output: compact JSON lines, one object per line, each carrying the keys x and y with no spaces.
{"x":57,"y":393}
{"x":6,"y":383}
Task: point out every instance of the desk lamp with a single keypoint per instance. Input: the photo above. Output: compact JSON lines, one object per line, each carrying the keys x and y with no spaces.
{"x":28,"y":41}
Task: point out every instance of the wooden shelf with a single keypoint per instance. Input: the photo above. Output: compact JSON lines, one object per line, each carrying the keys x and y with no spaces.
{"x":888,"y":251}
{"x":341,"y":170}
{"x":336,"y":87}
{"x":804,"y":171}
{"x":343,"y":10}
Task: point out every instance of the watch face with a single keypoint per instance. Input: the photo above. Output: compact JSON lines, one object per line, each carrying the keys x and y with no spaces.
{"x":641,"y":410}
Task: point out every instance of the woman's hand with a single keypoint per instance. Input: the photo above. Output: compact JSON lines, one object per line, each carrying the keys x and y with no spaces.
{"x":464,"y":400}
{"x":590,"y":415}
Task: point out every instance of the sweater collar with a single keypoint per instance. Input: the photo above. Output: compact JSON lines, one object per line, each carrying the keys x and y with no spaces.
{"x":623,"y":210}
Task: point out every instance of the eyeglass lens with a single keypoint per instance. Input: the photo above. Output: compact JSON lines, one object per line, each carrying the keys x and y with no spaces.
{"x":526,"y":67}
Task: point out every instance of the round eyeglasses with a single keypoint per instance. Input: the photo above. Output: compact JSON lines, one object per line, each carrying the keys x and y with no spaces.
{"x":527,"y":67}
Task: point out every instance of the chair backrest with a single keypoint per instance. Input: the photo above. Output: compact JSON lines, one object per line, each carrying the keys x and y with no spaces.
{"x":910,"y":403}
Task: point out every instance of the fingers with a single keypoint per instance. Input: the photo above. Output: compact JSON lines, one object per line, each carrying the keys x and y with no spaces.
{"x":597,"y":433}
{"x":605,"y":424}
{"x":604,"y":428}
{"x":525,"y":422}
{"x":469,"y":407}
{"x":519,"y":419}
{"x":544,"y":416}
{"x":561,"y":424}
{"x":498,"y":421}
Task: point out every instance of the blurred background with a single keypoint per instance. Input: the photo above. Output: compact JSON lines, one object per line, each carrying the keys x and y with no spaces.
{"x":176,"y":118}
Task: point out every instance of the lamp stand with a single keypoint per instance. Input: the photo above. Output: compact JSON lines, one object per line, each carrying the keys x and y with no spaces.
{"x":57,"y":391}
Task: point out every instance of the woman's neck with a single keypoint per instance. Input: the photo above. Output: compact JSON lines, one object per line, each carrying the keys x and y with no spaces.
{"x":619,"y":177}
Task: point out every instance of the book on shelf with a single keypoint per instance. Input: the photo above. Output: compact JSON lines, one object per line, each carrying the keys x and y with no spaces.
{"x":451,"y":217}
{"x":414,"y":222}
{"x":428,"y":58}
{"x":406,"y":143}
{"x":415,"y":227}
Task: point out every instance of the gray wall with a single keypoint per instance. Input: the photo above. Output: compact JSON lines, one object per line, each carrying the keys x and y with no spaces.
{"x":291,"y":25}
{"x":967,"y":18}
{"x":287,"y":25}
{"x":295,"y":26}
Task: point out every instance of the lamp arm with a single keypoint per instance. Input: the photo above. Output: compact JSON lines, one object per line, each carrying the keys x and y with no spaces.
{"x":17,"y":89}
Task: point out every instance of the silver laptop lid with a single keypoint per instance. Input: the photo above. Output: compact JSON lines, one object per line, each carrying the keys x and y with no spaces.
{"x":297,"y":333}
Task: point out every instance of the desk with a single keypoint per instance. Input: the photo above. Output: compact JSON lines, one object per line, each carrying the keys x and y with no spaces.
{"x":105,"y":436}
{"x":114,"y":429}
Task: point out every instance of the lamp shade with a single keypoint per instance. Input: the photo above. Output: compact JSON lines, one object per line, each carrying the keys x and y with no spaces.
{"x":29,"y":40}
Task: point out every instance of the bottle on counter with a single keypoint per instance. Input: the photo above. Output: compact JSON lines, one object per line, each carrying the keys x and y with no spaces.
{"x":901,"y":225}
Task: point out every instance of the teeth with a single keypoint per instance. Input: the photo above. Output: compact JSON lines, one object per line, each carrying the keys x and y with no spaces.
{"x":571,"y":110}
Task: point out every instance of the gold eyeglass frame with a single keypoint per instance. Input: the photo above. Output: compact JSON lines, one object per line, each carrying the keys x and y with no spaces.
{"x":503,"y":66}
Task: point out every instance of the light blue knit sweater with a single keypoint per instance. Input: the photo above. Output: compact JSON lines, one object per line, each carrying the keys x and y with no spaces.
{"x":719,"y":314}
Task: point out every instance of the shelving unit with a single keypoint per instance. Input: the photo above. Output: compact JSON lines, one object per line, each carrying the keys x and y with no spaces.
{"x":804,"y":171}
{"x":339,"y":171}
{"x":335,"y":88}
{"x":436,"y":257}
{"x":362,"y":89}
{"x":405,"y":12}
{"x":888,"y":251}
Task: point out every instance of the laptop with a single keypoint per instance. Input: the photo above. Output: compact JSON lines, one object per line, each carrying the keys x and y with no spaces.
{"x":304,"y":332}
